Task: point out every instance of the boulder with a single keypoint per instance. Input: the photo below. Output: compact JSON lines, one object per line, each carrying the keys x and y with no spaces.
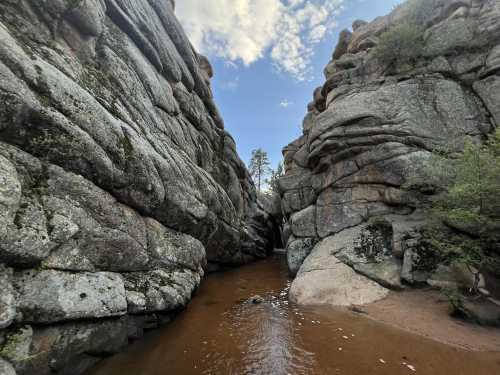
{"x":325,"y":280}
{"x":296,"y":251}
{"x":482,"y":310}
{"x":454,"y":276}
{"x":68,"y":348}
{"x":368,"y":250}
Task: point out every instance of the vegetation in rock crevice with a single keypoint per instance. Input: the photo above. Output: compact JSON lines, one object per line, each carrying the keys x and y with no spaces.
{"x":403,"y":44}
{"x":469,"y":206}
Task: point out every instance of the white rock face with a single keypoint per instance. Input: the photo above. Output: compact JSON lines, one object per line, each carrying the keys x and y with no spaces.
{"x":324,"y":280}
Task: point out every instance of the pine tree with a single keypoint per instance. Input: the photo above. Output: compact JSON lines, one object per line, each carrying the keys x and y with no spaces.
{"x":259,"y":167}
{"x":276,"y":174}
{"x":471,"y":205}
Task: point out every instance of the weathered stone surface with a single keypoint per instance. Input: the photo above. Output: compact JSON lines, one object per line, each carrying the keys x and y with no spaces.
{"x":488,"y":90}
{"x":160,"y":290}
{"x":53,"y":296}
{"x":303,"y":223}
{"x":7,"y":299}
{"x":484,"y":311}
{"x":296,"y":251}
{"x":323,"y":279}
{"x":369,"y":133}
{"x":159,"y":147}
{"x":454,"y":276}
{"x":117,"y":179}
{"x":68,"y":348}
{"x":6,"y":368}
{"x":368,"y":250}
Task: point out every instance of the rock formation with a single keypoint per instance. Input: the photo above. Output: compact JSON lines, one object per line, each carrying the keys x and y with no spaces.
{"x":118,"y":181}
{"x":350,"y":178}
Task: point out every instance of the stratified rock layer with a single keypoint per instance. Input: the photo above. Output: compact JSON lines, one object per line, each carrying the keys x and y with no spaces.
{"x":118,"y":181}
{"x":354,"y":176}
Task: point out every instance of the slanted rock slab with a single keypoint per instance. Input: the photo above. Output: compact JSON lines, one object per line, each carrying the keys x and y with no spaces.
{"x":325,"y":280}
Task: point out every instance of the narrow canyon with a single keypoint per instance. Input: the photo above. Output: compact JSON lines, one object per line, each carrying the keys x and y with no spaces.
{"x":127,"y":216}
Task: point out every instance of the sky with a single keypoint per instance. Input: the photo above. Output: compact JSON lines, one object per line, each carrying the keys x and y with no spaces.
{"x":268,"y":57}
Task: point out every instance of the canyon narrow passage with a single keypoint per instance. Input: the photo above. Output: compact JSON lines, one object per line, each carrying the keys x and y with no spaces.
{"x":223,"y":331}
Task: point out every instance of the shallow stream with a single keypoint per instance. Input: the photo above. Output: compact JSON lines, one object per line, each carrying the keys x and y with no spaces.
{"x":223,"y":332}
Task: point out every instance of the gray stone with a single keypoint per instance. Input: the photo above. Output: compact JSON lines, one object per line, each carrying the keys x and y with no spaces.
{"x":364,"y":249}
{"x":296,"y":251}
{"x":370,"y":132}
{"x":6,"y":368}
{"x":454,"y":276}
{"x":325,"y":280}
{"x":10,"y":193}
{"x":136,"y":302}
{"x":488,"y":90}
{"x":159,"y":290}
{"x":386,"y":273}
{"x":117,"y":179}
{"x":257,"y":300}
{"x":484,"y":311}
{"x":166,"y":161}
{"x":303,"y":223}
{"x":171,"y":249}
{"x":65,"y":347}
{"x":54,"y":296}
{"x":7,"y":299}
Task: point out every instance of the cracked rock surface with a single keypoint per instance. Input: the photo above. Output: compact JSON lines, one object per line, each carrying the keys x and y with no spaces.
{"x":118,"y":182}
{"x":372,"y":127}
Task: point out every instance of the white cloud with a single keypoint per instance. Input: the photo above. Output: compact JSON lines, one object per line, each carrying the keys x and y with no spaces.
{"x":249,"y":30}
{"x":230,"y":64}
{"x":285,"y":103}
{"x":230,"y":85}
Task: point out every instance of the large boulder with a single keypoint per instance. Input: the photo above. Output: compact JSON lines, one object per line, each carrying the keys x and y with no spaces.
{"x":324,"y":279}
{"x":69,"y":348}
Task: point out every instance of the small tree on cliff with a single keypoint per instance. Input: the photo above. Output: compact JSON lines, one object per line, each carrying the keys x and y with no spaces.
{"x":276,"y":174}
{"x":470,"y":205}
{"x":259,"y":167}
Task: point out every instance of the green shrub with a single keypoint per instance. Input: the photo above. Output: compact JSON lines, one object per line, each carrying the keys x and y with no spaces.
{"x":401,"y":44}
{"x":470,"y":205}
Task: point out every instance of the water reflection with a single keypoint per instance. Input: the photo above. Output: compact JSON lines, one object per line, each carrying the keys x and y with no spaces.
{"x":268,"y":337}
{"x":223,"y":332}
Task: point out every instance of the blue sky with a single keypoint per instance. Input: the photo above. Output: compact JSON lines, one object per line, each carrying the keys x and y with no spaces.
{"x":262,"y":83}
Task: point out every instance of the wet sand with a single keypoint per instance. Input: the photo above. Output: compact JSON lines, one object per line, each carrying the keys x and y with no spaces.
{"x":222,"y":332}
{"x":426,"y":313}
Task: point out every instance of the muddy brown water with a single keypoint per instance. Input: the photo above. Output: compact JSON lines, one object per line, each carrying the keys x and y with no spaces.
{"x":221,"y":333}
